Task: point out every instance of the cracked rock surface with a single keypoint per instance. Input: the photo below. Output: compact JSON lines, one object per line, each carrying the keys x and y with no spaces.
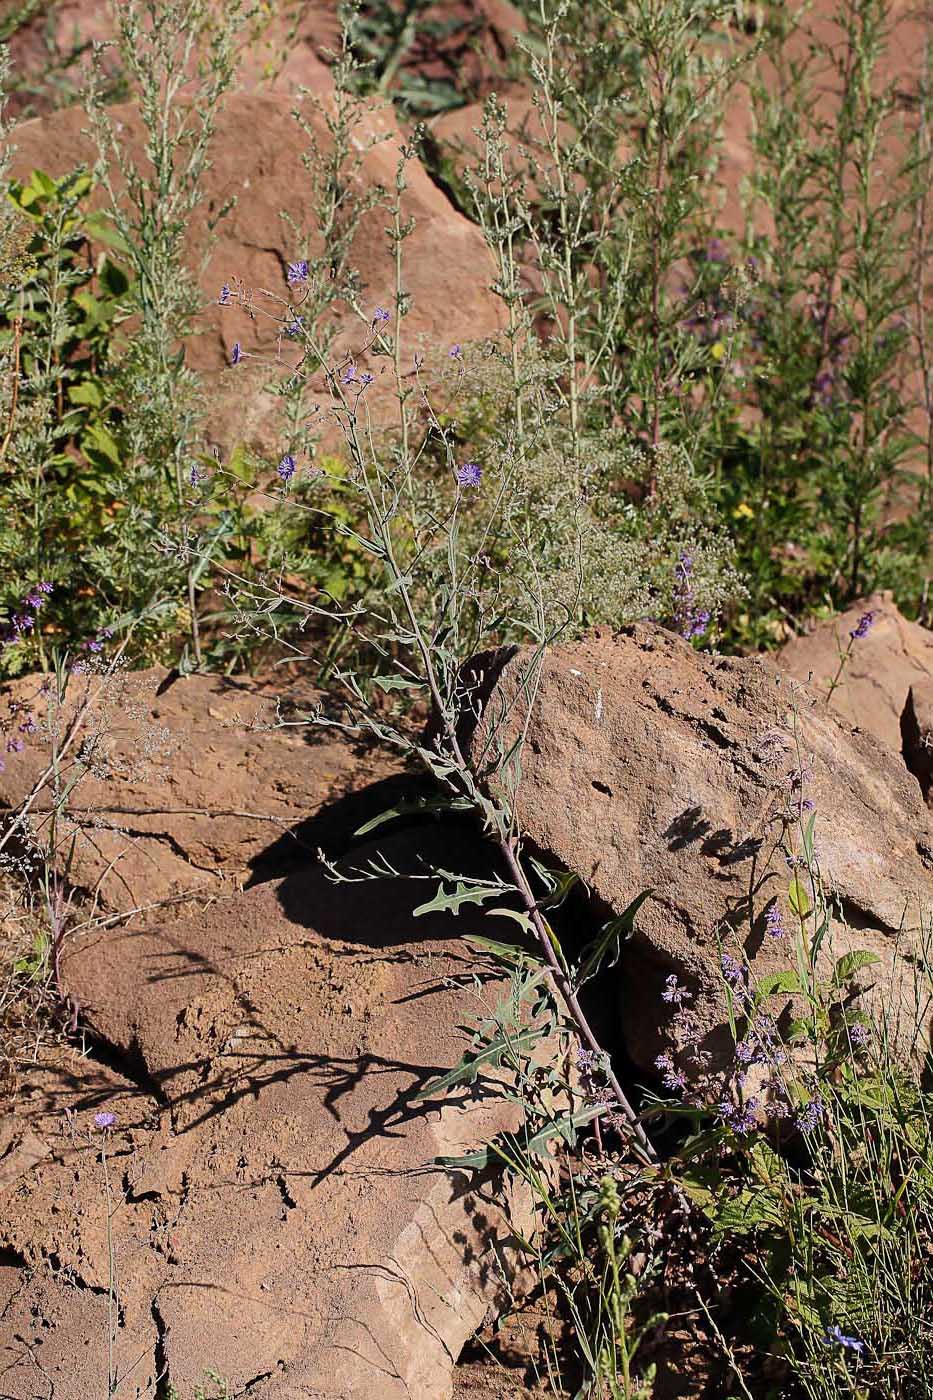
{"x":194,"y":789}
{"x":275,"y":1210}
{"x":649,"y":765}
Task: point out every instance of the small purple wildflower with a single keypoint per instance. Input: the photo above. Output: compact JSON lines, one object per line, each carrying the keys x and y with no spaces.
{"x":295,"y":326}
{"x":224,"y":298}
{"x":286,"y":467}
{"x":15,"y":745}
{"x":366,"y":378}
{"x":470,"y":474}
{"x":298,"y":271}
{"x":349,"y":375}
{"x":95,"y":646}
{"x":810,"y":1116}
{"x":104,"y":1120}
{"x":455,"y":352}
{"x":746,"y":1051}
{"x":380,"y":315}
{"x":44,"y":587}
{"x":774,"y":923}
{"x":236,"y":353}
{"x":196,"y":476}
{"x":674,"y":992}
{"x":860,"y":1036}
{"x":862,"y":627}
{"x":740,"y":1119}
{"x":836,"y":1337}
{"x":29,"y":726}
{"x":688,"y":619}
{"x":731,"y":968}
{"x":35,"y":601}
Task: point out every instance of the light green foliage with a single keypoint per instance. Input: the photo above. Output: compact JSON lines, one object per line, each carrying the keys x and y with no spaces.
{"x":60,"y":455}
{"x":821,"y":478}
{"x":165,"y":48}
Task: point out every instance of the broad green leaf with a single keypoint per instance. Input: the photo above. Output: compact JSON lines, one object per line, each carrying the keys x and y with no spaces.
{"x":99,"y":440}
{"x":87,"y":392}
{"x":799,"y":898}
{"x":851,"y":963}
{"x":772,"y":982}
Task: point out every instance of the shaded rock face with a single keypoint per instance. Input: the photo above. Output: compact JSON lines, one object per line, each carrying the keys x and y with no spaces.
{"x":650,"y":766}
{"x":257,"y":158}
{"x":917,"y":736}
{"x":894,"y":656}
{"x":278,"y":1215}
{"x":196,"y":789}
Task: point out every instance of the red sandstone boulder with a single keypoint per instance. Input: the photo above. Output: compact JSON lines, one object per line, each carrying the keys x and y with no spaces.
{"x":649,"y":766}
{"x":276,"y":1210}
{"x":183,"y":792}
{"x":892,"y":657}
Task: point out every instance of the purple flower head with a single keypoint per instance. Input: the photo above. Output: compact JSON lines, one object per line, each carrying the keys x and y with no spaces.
{"x":860,"y":1036}
{"x":810,"y":1116}
{"x":104,"y":1120}
{"x":29,"y":726}
{"x":746,"y":1051}
{"x":774,"y":923}
{"x":674,"y":992}
{"x":739,"y":1119}
{"x":298,"y":271}
{"x":286,"y":468}
{"x":196,"y":476}
{"x":295,"y":326}
{"x":224,"y":298}
{"x":862,"y":627}
{"x":455,"y":352}
{"x":697,"y":625}
{"x":236,"y":353}
{"x":44,"y":587}
{"x":15,"y":745}
{"x":349,"y":375}
{"x":35,"y":601}
{"x":689,"y":620}
{"x":731,"y":968}
{"x":835,"y":1337}
{"x":365,"y":379}
{"x":470,"y":474}
{"x":380,"y":315}
{"x":95,"y":646}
